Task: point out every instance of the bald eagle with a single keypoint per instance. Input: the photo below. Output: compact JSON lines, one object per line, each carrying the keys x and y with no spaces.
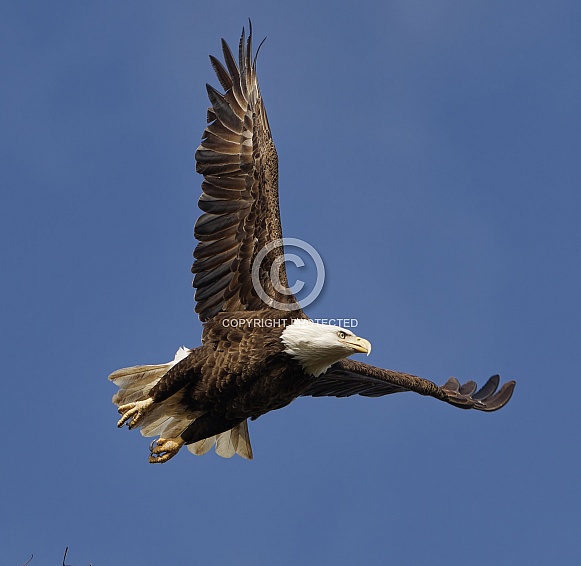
{"x":273,"y":353}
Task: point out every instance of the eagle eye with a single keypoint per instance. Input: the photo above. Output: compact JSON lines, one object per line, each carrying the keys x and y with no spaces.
{"x":341,"y":334}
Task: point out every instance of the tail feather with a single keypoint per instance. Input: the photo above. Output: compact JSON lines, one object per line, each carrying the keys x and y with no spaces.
{"x":173,"y":427}
{"x":233,"y":441}
{"x":244,"y":448}
{"x":202,"y":446}
{"x":135,"y":382}
{"x":166,"y":424}
{"x":168,"y":418}
{"x":227,"y":443}
{"x":133,"y":377}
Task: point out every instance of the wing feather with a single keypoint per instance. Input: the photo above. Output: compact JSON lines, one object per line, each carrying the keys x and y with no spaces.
{"x":221,"y":73}
{"x":239,"y":193}
{"x":349,"y":377}
{"x":216,"y":205}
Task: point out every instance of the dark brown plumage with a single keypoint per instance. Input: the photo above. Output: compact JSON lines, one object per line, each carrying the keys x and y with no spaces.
{"x":270,"y":356}
{"x":240,"y":192}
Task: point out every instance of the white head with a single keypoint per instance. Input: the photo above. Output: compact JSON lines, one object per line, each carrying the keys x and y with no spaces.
{"x":318,"y":346}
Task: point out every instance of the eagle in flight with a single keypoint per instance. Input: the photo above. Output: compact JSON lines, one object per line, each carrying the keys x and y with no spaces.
{"x":259,"y":350}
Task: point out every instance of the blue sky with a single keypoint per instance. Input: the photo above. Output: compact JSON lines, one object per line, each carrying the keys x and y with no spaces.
{"x":430,"y":153}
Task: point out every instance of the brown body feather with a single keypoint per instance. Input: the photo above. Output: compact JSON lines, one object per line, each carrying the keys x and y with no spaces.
{"x":237,"y":373}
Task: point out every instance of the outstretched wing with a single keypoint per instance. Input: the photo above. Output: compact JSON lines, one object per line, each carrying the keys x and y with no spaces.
{"x":349,"y":377}
{"x":240,"y":196}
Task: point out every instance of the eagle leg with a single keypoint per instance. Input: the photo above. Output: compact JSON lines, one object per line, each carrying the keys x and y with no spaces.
{"x":164,"y":449}
{"x":134,"y":411}
{"x":206,"y":426}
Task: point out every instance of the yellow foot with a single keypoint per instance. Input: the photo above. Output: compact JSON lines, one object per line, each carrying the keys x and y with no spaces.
{"x":133,"y":411}
{"x":164,"y":449}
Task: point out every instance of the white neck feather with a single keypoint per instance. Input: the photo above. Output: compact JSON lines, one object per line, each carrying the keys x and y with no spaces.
{"x":313,"y":345}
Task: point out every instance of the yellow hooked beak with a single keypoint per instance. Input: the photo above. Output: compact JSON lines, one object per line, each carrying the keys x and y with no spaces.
{"x":360,"y":345}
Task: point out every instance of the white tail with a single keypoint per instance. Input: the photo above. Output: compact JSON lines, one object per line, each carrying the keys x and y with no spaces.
{"x":233,"y":441}
{"x":135,"y":382}
{"x":169,"y":418}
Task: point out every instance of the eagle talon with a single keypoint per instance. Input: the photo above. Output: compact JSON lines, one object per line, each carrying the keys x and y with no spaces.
{"x":134,"y":411}
{"x":163,"y":449}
